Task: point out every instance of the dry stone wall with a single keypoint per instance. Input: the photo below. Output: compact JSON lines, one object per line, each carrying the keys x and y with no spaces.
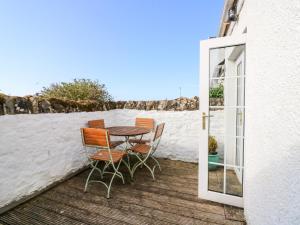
{"x":37,"y":104}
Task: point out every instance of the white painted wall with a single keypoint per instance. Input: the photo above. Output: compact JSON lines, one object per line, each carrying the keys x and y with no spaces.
{"x":38,"y":149}
{"x":272,"y":144}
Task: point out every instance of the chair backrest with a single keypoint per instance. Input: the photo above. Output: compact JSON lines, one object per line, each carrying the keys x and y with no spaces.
{"x":159,"y":131}
{"x":95,"y":137}
{"x":96,"y":124}
{"x":145,"y":123}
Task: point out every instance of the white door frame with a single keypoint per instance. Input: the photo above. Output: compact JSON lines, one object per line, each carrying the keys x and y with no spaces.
{"x":239,"y":173}
{"x":205,"y":47}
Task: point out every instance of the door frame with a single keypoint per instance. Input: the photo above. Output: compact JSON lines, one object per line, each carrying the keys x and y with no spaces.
{"x":205,"y":47}
{"x":240,"y":60}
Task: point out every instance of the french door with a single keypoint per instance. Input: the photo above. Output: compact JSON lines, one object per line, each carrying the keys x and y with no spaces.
{"x":222,"y":107}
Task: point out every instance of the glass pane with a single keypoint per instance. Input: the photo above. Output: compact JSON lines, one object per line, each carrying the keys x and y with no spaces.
{"x":226,"y":133}
{"x":216,"y":178}
{"x":234,"y":147}
{"x":234,"y":180}
{"x":226,"y":119}
{"x":217,"y":63}
{"x":216,"y":134}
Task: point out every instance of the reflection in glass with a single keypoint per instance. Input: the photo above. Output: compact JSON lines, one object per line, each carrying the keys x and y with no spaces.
{"x":233,"y":184}
{"x":216,"y":179}
{"x":226,"y":119}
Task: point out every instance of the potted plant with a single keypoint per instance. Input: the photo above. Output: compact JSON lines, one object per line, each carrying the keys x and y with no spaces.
{"x":213,"y":155}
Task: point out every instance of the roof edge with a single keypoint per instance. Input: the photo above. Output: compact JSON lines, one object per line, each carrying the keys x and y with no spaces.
{"x":227,"y":5}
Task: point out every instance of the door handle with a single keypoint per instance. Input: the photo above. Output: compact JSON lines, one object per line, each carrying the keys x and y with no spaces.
{"x":204,"y":116}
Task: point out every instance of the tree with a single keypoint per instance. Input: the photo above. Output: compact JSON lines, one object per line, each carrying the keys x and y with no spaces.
{"x":78,"y":89}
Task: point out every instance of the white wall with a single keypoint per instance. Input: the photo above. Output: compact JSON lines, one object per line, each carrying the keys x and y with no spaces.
{"x":38,"y":149}
{"x":272,"y":177}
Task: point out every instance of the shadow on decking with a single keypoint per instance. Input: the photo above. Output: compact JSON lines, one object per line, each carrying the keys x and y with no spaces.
{"x":171,"y":199}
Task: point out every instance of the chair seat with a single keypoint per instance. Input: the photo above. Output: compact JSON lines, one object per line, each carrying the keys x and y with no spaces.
{"x":114,"y":144}
{"x":139,"y":141}
{"x":141,"y":148}
{"x":103,"y":155}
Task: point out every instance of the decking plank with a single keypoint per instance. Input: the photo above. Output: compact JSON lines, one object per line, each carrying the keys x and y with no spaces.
{"x":135,"y":214}
{"x":16,"y":218}
{"x":101,"y":209}
{"x":170,"y":199}
{"x":143,"y":206}
{"x":48,"y":217}
{"x":79,"y":214}
{"x":158,"y":197}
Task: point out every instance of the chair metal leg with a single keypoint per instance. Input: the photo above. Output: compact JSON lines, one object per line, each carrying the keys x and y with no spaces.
{"x":151,"y":170}
{"x":108,"y":187}
{"x":121,"y":176}
{"x":128,"y":166}
{"x":105,"y":166}
{"x":128,"y":159}
{"x":89,"y":176}
{"x":156,"y":161}
{"x":142,"y":161}
{"x":115,"y":173}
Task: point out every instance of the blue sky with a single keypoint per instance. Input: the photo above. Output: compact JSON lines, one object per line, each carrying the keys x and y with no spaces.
{"x":141,"y":49}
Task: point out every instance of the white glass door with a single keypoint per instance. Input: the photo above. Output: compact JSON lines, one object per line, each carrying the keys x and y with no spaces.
{"x":222,"y":107}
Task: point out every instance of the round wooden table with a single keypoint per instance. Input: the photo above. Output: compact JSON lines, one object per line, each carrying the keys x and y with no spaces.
{"x":127,"y":131}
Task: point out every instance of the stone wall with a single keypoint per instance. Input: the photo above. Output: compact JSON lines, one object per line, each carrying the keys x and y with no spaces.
{"x":37,"y":104}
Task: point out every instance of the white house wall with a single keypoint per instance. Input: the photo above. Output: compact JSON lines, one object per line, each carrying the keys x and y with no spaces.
{"x":38,"y":149}
{"x":272,"y":131}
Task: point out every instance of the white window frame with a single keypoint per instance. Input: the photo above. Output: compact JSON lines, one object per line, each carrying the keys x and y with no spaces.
{"x":205,"y":47}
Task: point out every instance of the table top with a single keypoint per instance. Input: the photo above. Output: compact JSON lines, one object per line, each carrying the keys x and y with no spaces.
{"x":127,"y":131}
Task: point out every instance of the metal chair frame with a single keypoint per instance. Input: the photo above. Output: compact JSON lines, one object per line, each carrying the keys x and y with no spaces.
{"x":94,"y":165}
{"x":142,"y":158}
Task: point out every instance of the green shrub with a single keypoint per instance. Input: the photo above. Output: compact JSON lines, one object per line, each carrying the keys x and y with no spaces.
{"x":2,"y":98}
{"x":212,"y":145}
{"x":78,"y":89}
{"x":217,"y":92}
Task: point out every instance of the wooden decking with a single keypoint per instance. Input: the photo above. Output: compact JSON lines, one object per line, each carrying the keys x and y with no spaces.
{"x":171,"y":199}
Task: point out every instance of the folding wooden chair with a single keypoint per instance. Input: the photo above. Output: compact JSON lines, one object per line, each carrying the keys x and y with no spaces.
{"x":99,"y":138}
{"x":144,"y":123}
{"x":145,"y":151}
{"x":101,"y":124}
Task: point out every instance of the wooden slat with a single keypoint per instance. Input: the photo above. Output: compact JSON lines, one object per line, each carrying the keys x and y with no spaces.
{"x":145,"y":123}
{"x":102,"y":207}
{"x":94,"y":137}
{"x":46,"y":216}
{"x":165,"y":203}
{"x":171,"y":199}
{"x":96,"y":124}
{"x":234,"y":213}
{"x":16,"y":218}
{"x":159,"y":197}
{"x":163,"y":211}
{"x":75,"y":213}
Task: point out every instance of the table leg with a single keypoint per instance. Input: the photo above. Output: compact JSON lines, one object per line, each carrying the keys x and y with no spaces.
{"x":127,"y":147}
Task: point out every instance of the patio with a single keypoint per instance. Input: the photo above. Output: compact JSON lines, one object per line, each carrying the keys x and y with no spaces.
{"x":171,"y":199}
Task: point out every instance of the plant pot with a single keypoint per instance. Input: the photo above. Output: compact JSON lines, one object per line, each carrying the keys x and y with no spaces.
{"x":214,"y":159}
